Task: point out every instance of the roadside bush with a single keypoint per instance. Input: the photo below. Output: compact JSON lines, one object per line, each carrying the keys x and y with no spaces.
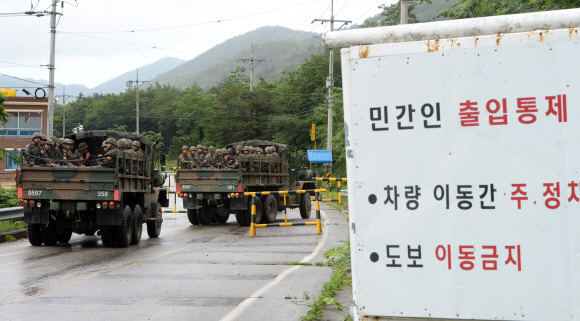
{"x":9,"y":197}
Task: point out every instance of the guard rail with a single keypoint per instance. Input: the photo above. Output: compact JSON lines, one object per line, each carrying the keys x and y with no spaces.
{"x":11,"y":213}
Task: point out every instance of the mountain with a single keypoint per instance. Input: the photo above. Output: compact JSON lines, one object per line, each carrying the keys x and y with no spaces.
{"x":282,"y":48}
{"x":115,"y":85}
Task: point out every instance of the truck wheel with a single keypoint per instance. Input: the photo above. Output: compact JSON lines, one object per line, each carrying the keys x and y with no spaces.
{"x":137,"y":225}
{"x":124,"y":232}
{"x":269,"y":209}
{"x":49,"y":237}
{"x":34,"y":234}
{"x":220,"y":219}
{"x":258,"y":204}
{"x":305,"y":206}
{"x":154,"y":227}
{"x":64,"y":236}
{"x":204,"y":216}
{"x":108,"y":235}
{"x":192,"y":216}
{"x":241,"y":217}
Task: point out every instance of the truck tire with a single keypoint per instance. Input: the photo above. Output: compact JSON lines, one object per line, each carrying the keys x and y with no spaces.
{"x":137,"y":225}
{"x":64,"y":236}
{"x":258,"y":204}
{"x":221,"y":219}
{"x":108,"y":235}
{"x":124,"y":232}
{"x":305,"y":206}
{"x":204,"y":216}
{"x":154,"y":227}
{"x":192,"y":216}
{"x":49,"y":237}
{"x":269,"y":209}
{"x":241,"y":217}
{"x":34,"y":234}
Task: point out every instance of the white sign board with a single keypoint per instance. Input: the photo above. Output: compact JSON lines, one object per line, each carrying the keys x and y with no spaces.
{"x":464,"y":174}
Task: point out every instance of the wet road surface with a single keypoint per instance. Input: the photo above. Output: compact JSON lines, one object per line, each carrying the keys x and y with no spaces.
{"x":214,"y":272}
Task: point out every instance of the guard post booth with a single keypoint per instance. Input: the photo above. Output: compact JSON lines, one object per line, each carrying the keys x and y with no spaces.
{"x":319,"y":156}
{"x":470,"y":208}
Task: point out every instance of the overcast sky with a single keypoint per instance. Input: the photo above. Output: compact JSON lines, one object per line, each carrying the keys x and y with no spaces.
{"x":90,"y":61}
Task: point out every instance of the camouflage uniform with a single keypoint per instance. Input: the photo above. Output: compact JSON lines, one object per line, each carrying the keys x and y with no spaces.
{"x":210,"y":159}
{"x":33,"y":151}
{"x":184,"y":159}
{"x":109,"y":160}
{"x":138,"y":144}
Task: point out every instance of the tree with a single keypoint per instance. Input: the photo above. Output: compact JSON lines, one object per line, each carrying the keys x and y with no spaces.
{"x":3,"y":121}
{"x":392,"y":14}
{"x":483,"y":8}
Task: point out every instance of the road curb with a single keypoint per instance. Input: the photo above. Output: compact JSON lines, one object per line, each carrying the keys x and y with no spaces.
{"x":17,"y":234}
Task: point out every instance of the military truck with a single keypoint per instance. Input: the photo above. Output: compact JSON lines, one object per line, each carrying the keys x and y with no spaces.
{"x":112,"y":202}
{"x":212,"y":195}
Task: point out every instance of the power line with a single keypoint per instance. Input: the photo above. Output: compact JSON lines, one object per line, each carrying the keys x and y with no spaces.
{"x":32,"y":82}
{"x":20,"y":65}
{"x":364,"y":14}
{"x":200,"y":23}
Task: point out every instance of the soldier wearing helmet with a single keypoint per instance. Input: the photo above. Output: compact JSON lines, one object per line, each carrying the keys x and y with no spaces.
{"x":108,"y":160}
{"x":185,"y":161}
{"x":137,"y":147}
{"x":33,"y":151}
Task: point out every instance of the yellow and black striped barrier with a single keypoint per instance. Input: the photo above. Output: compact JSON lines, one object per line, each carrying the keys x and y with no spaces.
{"x":332,"y":179}
{"x":253,"y":224}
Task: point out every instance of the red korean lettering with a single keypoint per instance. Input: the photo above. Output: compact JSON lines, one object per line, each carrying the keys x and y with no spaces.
{"x":519,"y":191}
{"x":562,"y":112}
{"x":469,"y":115}
{"x":441,"y":249}
{"x":527,"y":106}
{"x":511,"y":258}
{"x":573,"y":196}
{"x":493,"y":106}
{"x":490,"y":265}
{"x":466,"y":255}
{"x":552,"y":202}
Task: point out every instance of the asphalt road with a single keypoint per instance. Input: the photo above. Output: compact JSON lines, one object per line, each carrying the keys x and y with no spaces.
{"x":214,"y":272}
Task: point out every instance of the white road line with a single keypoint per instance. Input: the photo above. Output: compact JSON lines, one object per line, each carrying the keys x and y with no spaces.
{"x":14,"y":253}
{"x":239,"y":309}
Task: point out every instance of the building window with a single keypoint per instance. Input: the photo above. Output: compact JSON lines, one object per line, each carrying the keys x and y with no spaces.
{"x":10,"y":164}
{"x":22,"y":124}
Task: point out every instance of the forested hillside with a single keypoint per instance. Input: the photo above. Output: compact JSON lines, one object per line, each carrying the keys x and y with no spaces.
{"x":282,"y":48}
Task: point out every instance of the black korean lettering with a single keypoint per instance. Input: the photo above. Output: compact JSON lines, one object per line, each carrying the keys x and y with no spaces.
{"x":412,"y":193}
{"x":491,"y":194}
{"x":443,"y":192}
{"x":464,"y":194}
{"x":402,"y":114}
{"x":389,"y":199}
{"x":392,"y":256}
{"x":376,"y":116}
{"x":427,"y":111}
{"x":415,"y":257}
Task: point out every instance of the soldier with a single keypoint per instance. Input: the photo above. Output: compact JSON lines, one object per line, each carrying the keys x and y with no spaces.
{"x":104,"y":147}
{"x":54,"y":139}
{"x":121,"y":144}
{"x":221,"y":158}
{"x":137,"y":147}
{"x":109,"y":158}
{"x":33,"y":151}
{"x":185,"y":161}
{"x":209,"y":158}
{"x":84,"y":154}
{"x":199,"y":156}
{"x":48,"y":146}
{"x":274,"y":153}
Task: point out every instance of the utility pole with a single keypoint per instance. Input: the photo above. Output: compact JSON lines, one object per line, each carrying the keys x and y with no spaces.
{"x":64,"y":97}
{"x":50,"y":115}
{"x":137,"y":98}
{"x":251,"y":60}
{"x":330,"y":79}
{"x":404,"y":12}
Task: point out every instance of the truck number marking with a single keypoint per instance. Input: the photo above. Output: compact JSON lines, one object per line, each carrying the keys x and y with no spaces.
{"x":230,"y":186}
{"x":185,"y":186}
{"x":34,"y":193}
{"x":102,"y":193}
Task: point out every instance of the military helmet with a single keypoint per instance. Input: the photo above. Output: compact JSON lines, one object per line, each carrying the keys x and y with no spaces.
{"x":192,"y":148}
{"x":49,"y":141}
{"x":60,"y":141}
{"x":203,"y":147}
{"x":104,"y":144}
{"x":43,"y":137}
{"x":54,"y":138}
{"x":37,"y":134}
{"x":230,"y":151}
{"x":252,"y":148}
{"x":122,"y":143}
{"x":69,"y":141}
{"x":111,"y":140}
{"x":239,"y":147}
{"x":83,"y":145}
{"x":211,"y":149}
{"x":137,"y":143}
{"x":185,"y":147}
{"x":267,"y":149}
{"x":199,"y":146}
{"x":259,"y":149}
{"x":248,"y":148}
{"x":224,"y":151}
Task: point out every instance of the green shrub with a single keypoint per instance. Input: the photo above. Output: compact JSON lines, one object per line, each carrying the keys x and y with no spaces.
{"x":9,"y":197}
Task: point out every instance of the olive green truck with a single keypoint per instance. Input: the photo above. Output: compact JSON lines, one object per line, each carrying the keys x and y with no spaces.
{"x":212,"y":195}
{"x":112,"y":202}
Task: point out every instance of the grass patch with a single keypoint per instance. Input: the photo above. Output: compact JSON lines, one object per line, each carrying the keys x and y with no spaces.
{"x":267,"y":264}
{"x":320,"y":263}
{"x":339,"y":259}
{"x":343,"y":206}
{"x":16,"y":224}
{"x":9,"y":197}
{"x":298,"y":263}
{"x":10,"y":238}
